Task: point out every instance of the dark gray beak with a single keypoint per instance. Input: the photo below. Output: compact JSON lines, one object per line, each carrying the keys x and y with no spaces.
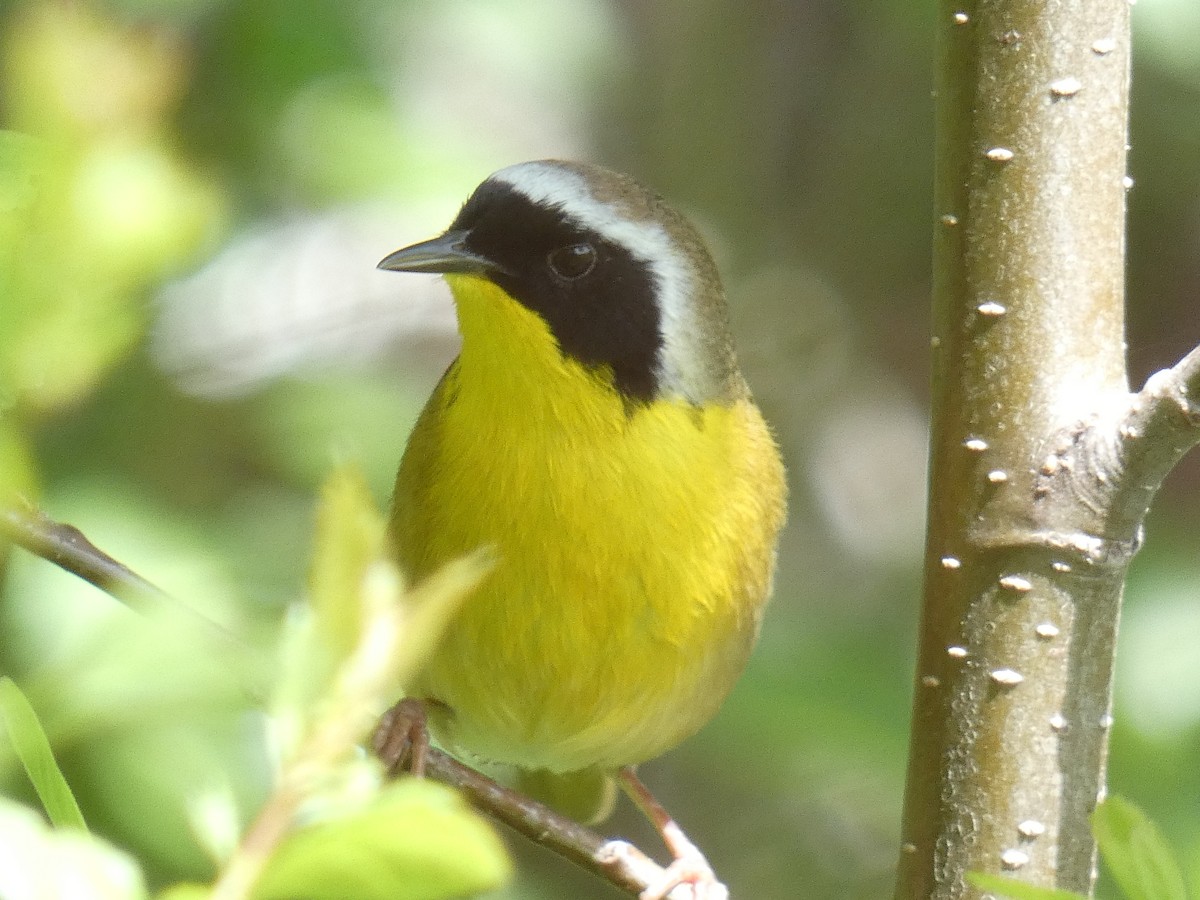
{"x":445,"y":254}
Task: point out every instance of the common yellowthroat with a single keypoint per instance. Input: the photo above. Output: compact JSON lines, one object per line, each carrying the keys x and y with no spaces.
{"x":596,"y":432}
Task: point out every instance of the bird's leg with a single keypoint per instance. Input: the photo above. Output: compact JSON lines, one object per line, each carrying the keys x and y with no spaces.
{"x":689,"y":865}
{"x":402,"y":735}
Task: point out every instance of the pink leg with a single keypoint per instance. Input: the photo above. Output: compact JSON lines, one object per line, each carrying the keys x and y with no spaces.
{"x":689,"y":866}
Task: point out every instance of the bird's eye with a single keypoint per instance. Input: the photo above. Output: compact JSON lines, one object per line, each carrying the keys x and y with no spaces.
{"x":573,"y":261}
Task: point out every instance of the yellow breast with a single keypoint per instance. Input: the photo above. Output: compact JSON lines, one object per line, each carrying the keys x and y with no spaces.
{"x":635,"y":544}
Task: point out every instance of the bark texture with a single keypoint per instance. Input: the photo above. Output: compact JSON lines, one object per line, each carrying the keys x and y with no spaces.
{"x":1026,"y":547}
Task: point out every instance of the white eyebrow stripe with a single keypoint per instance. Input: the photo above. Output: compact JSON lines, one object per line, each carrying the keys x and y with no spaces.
{"x":681,"y":369}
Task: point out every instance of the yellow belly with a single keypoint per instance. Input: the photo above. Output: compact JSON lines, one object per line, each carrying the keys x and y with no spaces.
{"x":635,"y":547}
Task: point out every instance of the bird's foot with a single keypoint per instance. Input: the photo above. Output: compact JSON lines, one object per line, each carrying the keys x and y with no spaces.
{"x":689,"y":876}
{"x":402,"y":737}
{"x":689,"y":869}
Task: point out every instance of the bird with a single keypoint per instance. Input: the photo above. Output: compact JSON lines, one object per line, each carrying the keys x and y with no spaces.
{"x":596,"y":432}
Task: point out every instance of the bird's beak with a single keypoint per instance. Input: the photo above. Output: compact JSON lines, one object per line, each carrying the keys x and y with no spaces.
{"x":445,"y":254}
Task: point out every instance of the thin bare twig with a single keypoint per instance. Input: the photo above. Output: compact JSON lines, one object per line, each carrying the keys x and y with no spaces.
{"x":66,"y":547}
{"x":618,"y":862}
{"x":69,"y":549}
{"x":1115,"y":460}
{"x":1160,"y":426}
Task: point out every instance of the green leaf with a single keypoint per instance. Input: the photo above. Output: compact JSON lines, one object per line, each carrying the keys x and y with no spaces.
{"x":33,"y":749}
{"x":350,"y":536}
{"x":417,"y":841}
{"x":1136,"y":853}
{"x":36,"y":862}
{"x":1018,"y":890}
{"x":350,"y":544}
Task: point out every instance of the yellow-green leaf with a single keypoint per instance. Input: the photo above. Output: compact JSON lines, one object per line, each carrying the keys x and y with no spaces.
{"x":417,"y":841}
{"x":349,"y":537}
{"x":33,"y":749}
{"x":1136,"y":853}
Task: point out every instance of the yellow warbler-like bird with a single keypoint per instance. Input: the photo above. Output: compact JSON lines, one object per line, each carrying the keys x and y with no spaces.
{"x":595,"y":431}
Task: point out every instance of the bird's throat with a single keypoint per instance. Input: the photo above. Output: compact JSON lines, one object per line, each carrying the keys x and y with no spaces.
{"x":511,"y":360}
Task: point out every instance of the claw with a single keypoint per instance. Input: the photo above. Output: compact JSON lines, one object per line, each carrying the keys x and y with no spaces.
{"x":402,"y":736}
{"x":689,"y":869}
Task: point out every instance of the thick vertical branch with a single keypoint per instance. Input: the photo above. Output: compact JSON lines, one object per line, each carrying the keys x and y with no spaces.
{"x":1023,"y":577}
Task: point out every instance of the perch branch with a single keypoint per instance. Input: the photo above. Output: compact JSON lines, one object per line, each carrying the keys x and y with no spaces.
{"x":617,"y":862}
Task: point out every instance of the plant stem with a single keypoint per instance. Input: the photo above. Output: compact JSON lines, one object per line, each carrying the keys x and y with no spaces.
{"x":1023,"y":578}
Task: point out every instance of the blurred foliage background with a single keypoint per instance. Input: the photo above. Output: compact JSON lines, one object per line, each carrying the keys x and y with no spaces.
{"x":193,"y":196}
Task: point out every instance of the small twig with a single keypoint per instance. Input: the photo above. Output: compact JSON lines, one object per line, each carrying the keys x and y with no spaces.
{"x":618,"y":862}
{"x":1161,"y":424}
{"x":66,"y":547}
{"x":1115,"y":460}
{"x":69,"y":549}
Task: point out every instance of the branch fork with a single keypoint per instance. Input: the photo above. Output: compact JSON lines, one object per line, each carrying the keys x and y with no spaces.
{"x":1115,"y":462}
